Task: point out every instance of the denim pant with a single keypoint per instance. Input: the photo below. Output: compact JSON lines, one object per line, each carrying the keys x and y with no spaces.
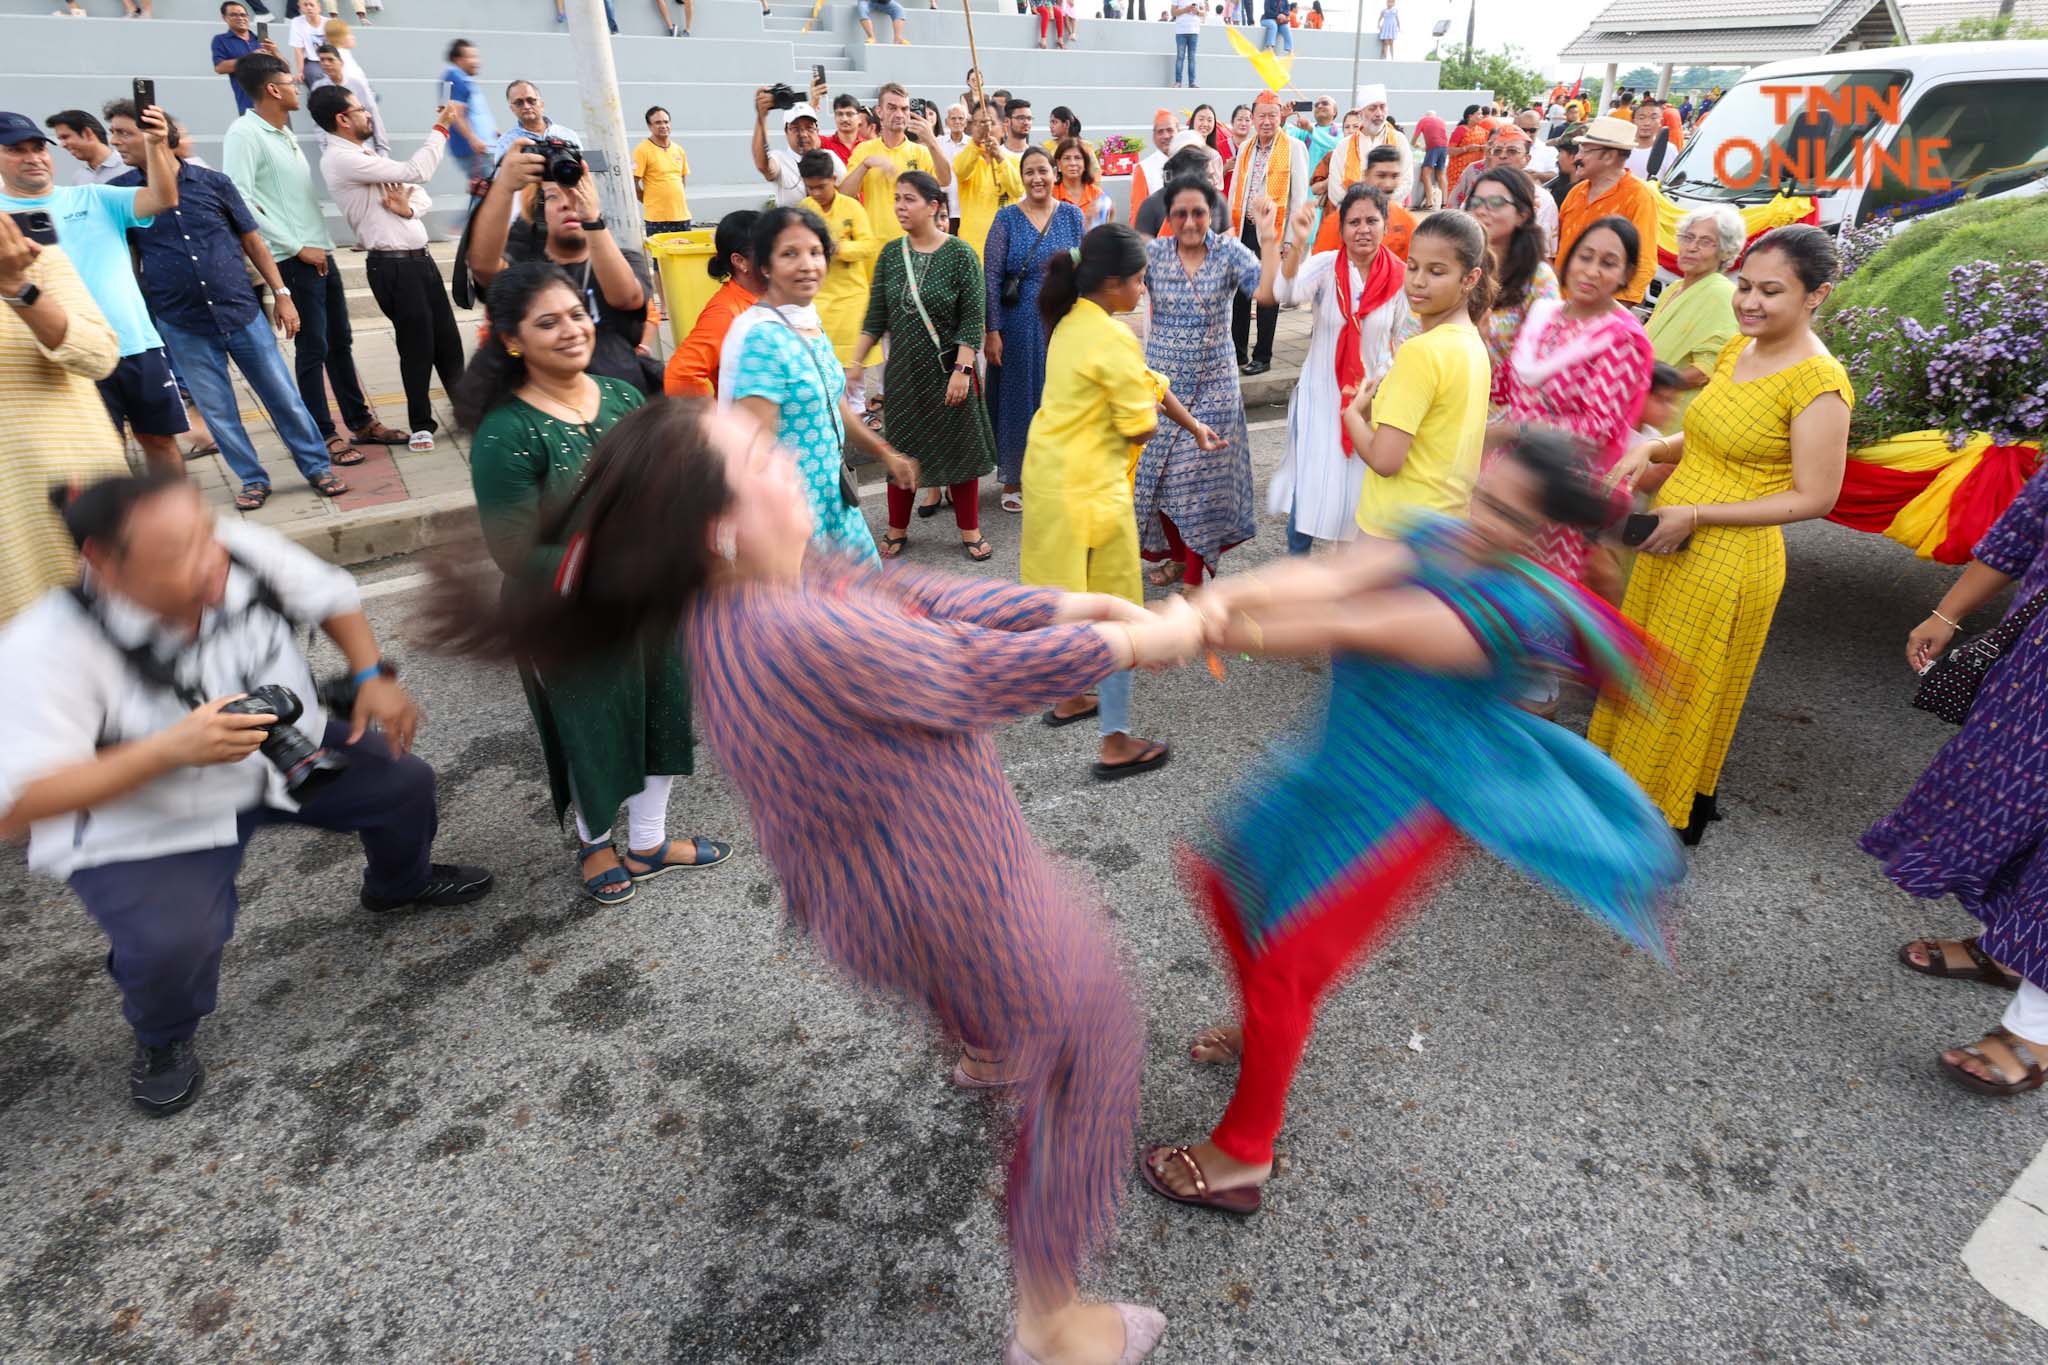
{"x":1276,"y":35}
{"x":1298,"y":542}
{"x":1184,"y":55}
{"x":202,"y":362}
{"x":1114,"y":695}
{"x":325,"y":347}
{"x":168,"y":919}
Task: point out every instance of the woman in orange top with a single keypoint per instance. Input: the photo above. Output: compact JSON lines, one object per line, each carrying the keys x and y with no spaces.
{"x":1315,"y":14}
{"x":1468,"y":142}
{"x":692,"y":372}
{"x":1076,"y":183}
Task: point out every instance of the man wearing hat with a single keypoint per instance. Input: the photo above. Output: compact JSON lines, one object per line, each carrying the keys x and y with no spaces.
{"x":1348,"y":162}
{"x":1607,"y":188}
{"x":1276,"y":167}
{"x":1566,"y":146}
{"x":1149,"y":176}
{"x":779,"y":165}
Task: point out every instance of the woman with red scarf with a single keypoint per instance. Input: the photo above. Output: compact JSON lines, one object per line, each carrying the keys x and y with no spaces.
{"x":1358,"y":306}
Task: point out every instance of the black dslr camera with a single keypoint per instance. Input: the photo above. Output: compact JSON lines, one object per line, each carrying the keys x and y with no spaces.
{"x":562,"y":161}
{"x":782,"y":96}
{"x":306,"y":766}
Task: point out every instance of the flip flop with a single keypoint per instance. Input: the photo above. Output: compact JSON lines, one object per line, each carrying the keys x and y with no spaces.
{"x":968,"y":548}
{"x":892,"y":546}
{"x":1054,"y":719}
{"x":1242,"y":1201}
{"x":1155,"y":756}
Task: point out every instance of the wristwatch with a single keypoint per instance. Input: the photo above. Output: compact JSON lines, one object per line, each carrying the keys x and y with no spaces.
{"x":964,"y":369}
{"x":594,"y":225}
{"x":25,"y":299}
{"x":282,"y":292}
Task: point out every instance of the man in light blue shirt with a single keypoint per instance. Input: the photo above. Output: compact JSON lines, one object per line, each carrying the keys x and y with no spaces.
{"x":530,"y":113}
{"x":474,"y":138}
{"x":92,"y":223}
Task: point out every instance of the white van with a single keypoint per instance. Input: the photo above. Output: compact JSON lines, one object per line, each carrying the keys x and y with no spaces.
{"x":1988,"y":100}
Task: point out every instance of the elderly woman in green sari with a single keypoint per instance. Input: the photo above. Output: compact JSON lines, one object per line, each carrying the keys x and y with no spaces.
{"x":1695,"y":317}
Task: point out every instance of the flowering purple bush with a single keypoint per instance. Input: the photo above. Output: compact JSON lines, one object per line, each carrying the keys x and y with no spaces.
{"x":1854,"y":246}
{"x":1984,"y":368}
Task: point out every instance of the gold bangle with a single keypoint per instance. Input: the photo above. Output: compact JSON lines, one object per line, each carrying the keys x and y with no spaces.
{"x":1131,"y":634}
{"x":1952,"y":625}
{"x":1252,"y":632}
{"x":1695,"y":518}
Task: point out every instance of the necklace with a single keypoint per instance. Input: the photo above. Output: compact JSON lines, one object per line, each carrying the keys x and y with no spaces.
{"x":564,"y":409}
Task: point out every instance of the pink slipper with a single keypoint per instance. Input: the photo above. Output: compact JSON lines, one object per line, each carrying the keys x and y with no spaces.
{"x":1142,"y":1329}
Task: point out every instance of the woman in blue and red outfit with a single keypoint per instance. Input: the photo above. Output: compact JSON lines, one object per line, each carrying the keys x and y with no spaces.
{"x":1975,"y":826}
{"x":1433,"y":638}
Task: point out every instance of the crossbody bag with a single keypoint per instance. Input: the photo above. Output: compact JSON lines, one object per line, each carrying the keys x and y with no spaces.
{"x":849,"y":491}
{"x":1949,"y":686}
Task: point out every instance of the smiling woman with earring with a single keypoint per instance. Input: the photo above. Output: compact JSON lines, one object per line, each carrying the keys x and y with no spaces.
{"x":614,"y":726}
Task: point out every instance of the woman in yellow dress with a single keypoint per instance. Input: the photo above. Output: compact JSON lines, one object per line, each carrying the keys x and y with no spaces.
{"x":1101,"y":405}
{"x":1764,"y":445}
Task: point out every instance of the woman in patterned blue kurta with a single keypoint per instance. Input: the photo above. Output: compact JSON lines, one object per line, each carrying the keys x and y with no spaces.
{"x":1022,"y":239}
{"x":1193,"y":505}
{"x":1975,"y":826}
{"x":790,"y":379}
{"x":1434,"y":639}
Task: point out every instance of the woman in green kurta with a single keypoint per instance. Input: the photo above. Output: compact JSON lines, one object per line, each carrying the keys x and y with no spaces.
{"x":927,"y":299}
{"x":614,"y":730}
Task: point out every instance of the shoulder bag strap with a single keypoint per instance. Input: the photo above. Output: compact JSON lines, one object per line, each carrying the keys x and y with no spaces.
{"x":910,"y":279}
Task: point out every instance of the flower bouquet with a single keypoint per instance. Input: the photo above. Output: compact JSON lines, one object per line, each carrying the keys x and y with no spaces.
{"x":1119,"y":155}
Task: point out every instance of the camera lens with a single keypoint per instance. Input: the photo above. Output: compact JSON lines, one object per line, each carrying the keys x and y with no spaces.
{"x":306,"y":766}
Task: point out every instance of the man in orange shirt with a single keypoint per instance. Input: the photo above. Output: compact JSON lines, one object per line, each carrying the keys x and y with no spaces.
{"x":1607,"y":188}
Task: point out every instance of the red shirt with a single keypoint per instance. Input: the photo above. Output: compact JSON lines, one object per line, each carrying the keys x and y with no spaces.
{"x":1433,"y":131}
{"x":840,"y":149}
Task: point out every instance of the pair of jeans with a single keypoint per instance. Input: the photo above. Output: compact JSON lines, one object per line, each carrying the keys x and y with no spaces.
{"x":168,"y":919}
{"x":326,"y":346}
{"x":1184,"y":55}
{"x":1276,"y":34}
{"x":1113,"y":695}
{"x":1299,"y":542}
{"x":411,"y":293}
{"x":202,"y":361}
{"x":1241,"y":304}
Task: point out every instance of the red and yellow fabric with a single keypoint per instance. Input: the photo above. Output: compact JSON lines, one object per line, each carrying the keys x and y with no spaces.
{"x":1757,"y":219}
{"x":1935,"y":501}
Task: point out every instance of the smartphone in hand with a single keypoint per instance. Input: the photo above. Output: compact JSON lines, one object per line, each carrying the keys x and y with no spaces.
{"x":263,"y":32}
{"x":145,"y":96}
{"x":35,"y":225}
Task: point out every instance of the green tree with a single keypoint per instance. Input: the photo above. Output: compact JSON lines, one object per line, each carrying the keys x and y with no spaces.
{"x":1991,"y":30}
{"x":1508,"y":72}
{"x":1642,"y":78}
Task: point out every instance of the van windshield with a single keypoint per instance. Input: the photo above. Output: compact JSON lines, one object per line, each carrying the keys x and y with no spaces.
{"x":1744,"y":127}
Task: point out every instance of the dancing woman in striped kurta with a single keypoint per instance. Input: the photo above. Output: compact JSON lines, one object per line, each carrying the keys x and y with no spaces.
{"x":853,"y":708}
{"x":1309,"y":861}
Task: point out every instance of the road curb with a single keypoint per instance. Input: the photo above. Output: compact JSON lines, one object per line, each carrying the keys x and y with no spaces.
{"x":399,"y":528}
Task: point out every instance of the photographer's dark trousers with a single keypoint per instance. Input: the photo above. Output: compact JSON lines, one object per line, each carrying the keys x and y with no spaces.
{"x":1241,"y":306}
{"x":167,"y":919}
{"x":407,"y":286}
{"x":325,"y":348}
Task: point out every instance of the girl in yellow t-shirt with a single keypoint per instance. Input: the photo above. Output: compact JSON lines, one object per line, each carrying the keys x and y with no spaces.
{"x":1422,"y":428}
{"x":1101,"y":405}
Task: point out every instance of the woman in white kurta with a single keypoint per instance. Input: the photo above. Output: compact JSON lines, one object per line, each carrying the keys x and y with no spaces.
{"x":1317,"y":485}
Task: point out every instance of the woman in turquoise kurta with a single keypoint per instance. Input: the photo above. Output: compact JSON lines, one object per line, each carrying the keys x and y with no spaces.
{"x":614,"y":730}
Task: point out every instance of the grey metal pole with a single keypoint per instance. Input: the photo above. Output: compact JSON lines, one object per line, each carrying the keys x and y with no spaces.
{"x":1357,"y":36}
{"x":604,"y":119}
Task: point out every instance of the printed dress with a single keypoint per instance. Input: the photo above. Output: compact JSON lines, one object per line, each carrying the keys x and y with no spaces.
{"x":804,"y":380}
{"x":1016,"y":248}
{"x":605,"y":725}
{"x":1501,"y":326}
{"x":1206,"y":495}
{"x":1711,"y":603}
{"x":1975,"y":826}
{"x":864,"y":701}
{"x":951,"y":444}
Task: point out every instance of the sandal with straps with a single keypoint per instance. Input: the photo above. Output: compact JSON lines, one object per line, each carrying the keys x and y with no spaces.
{"x":1243,"y":1200}
{"x":978,"y":550}
{"x":704,"y":853}
{"x":613,"y":886}
{"x":1983,"y":968}
{"x":892,"y":546}
{"x":2016,"y":1048}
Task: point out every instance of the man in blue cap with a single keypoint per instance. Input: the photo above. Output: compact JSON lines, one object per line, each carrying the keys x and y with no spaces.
{"x":92,"y":224}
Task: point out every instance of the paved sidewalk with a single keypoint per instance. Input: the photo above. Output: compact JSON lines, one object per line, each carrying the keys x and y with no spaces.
{"x":400,"y":502}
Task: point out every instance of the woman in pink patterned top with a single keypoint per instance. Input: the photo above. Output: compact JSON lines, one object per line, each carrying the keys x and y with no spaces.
{"x":853,"y":707}
{"x":1582,"y":365}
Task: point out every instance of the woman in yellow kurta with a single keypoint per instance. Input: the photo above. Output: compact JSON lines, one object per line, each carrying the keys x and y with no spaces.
{"x":842,"y":301}
{"x":51,"y":351}
{"x":1764,"y":445}
{"x":987,"y":179}
{"x":1101,"y":405}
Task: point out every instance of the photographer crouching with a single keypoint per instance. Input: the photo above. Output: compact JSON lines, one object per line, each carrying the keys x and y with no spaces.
{"x":162,"y":711}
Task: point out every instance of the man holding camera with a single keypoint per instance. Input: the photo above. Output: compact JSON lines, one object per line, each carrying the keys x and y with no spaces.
{"x":779,"y":166}
{"x":905,"y":144}
{"x":385,"y":204}
{"x":131,"y":756}
{"x":532,"y":122}
{"x":565,"y":224}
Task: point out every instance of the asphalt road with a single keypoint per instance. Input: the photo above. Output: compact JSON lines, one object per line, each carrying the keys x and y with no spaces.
{"x":534,"y":1129}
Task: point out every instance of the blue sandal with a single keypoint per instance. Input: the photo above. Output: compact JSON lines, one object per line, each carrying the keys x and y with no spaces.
{"x":612,"y":886}
{"x":709,"y":853}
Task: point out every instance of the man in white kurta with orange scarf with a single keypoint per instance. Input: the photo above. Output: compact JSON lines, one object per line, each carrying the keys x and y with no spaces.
{"x":1148,"y":177}
{"x":1347,"y":162}
{"x":1276,"y":167}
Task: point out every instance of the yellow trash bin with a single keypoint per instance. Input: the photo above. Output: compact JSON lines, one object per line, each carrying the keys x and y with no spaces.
{"x":685,"y":285}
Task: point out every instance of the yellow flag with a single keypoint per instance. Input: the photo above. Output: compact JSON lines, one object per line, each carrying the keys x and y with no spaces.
{"x":1276,"y":72}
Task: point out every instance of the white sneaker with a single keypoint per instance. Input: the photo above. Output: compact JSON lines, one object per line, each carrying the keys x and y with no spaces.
{"x":421,"y":441}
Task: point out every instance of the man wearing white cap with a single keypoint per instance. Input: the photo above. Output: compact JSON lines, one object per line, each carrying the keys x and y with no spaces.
{"x":779,"y":165}
{"x":1371,"y":103}
{"x":1346,"y":164}
{"x":1150,"y":174}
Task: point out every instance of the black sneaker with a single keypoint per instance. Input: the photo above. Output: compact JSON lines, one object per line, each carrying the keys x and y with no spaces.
{"x":163,"y":1080}
{"x":447,"y":884}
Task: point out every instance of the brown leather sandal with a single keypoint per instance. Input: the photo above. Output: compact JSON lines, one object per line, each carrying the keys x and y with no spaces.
{"x":1940,"y":964}
{"x":1243,"y":1200}
{"x":2018,"y":1052}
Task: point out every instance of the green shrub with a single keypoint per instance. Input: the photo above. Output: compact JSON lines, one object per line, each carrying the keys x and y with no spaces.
{"x":1908,"y":275}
